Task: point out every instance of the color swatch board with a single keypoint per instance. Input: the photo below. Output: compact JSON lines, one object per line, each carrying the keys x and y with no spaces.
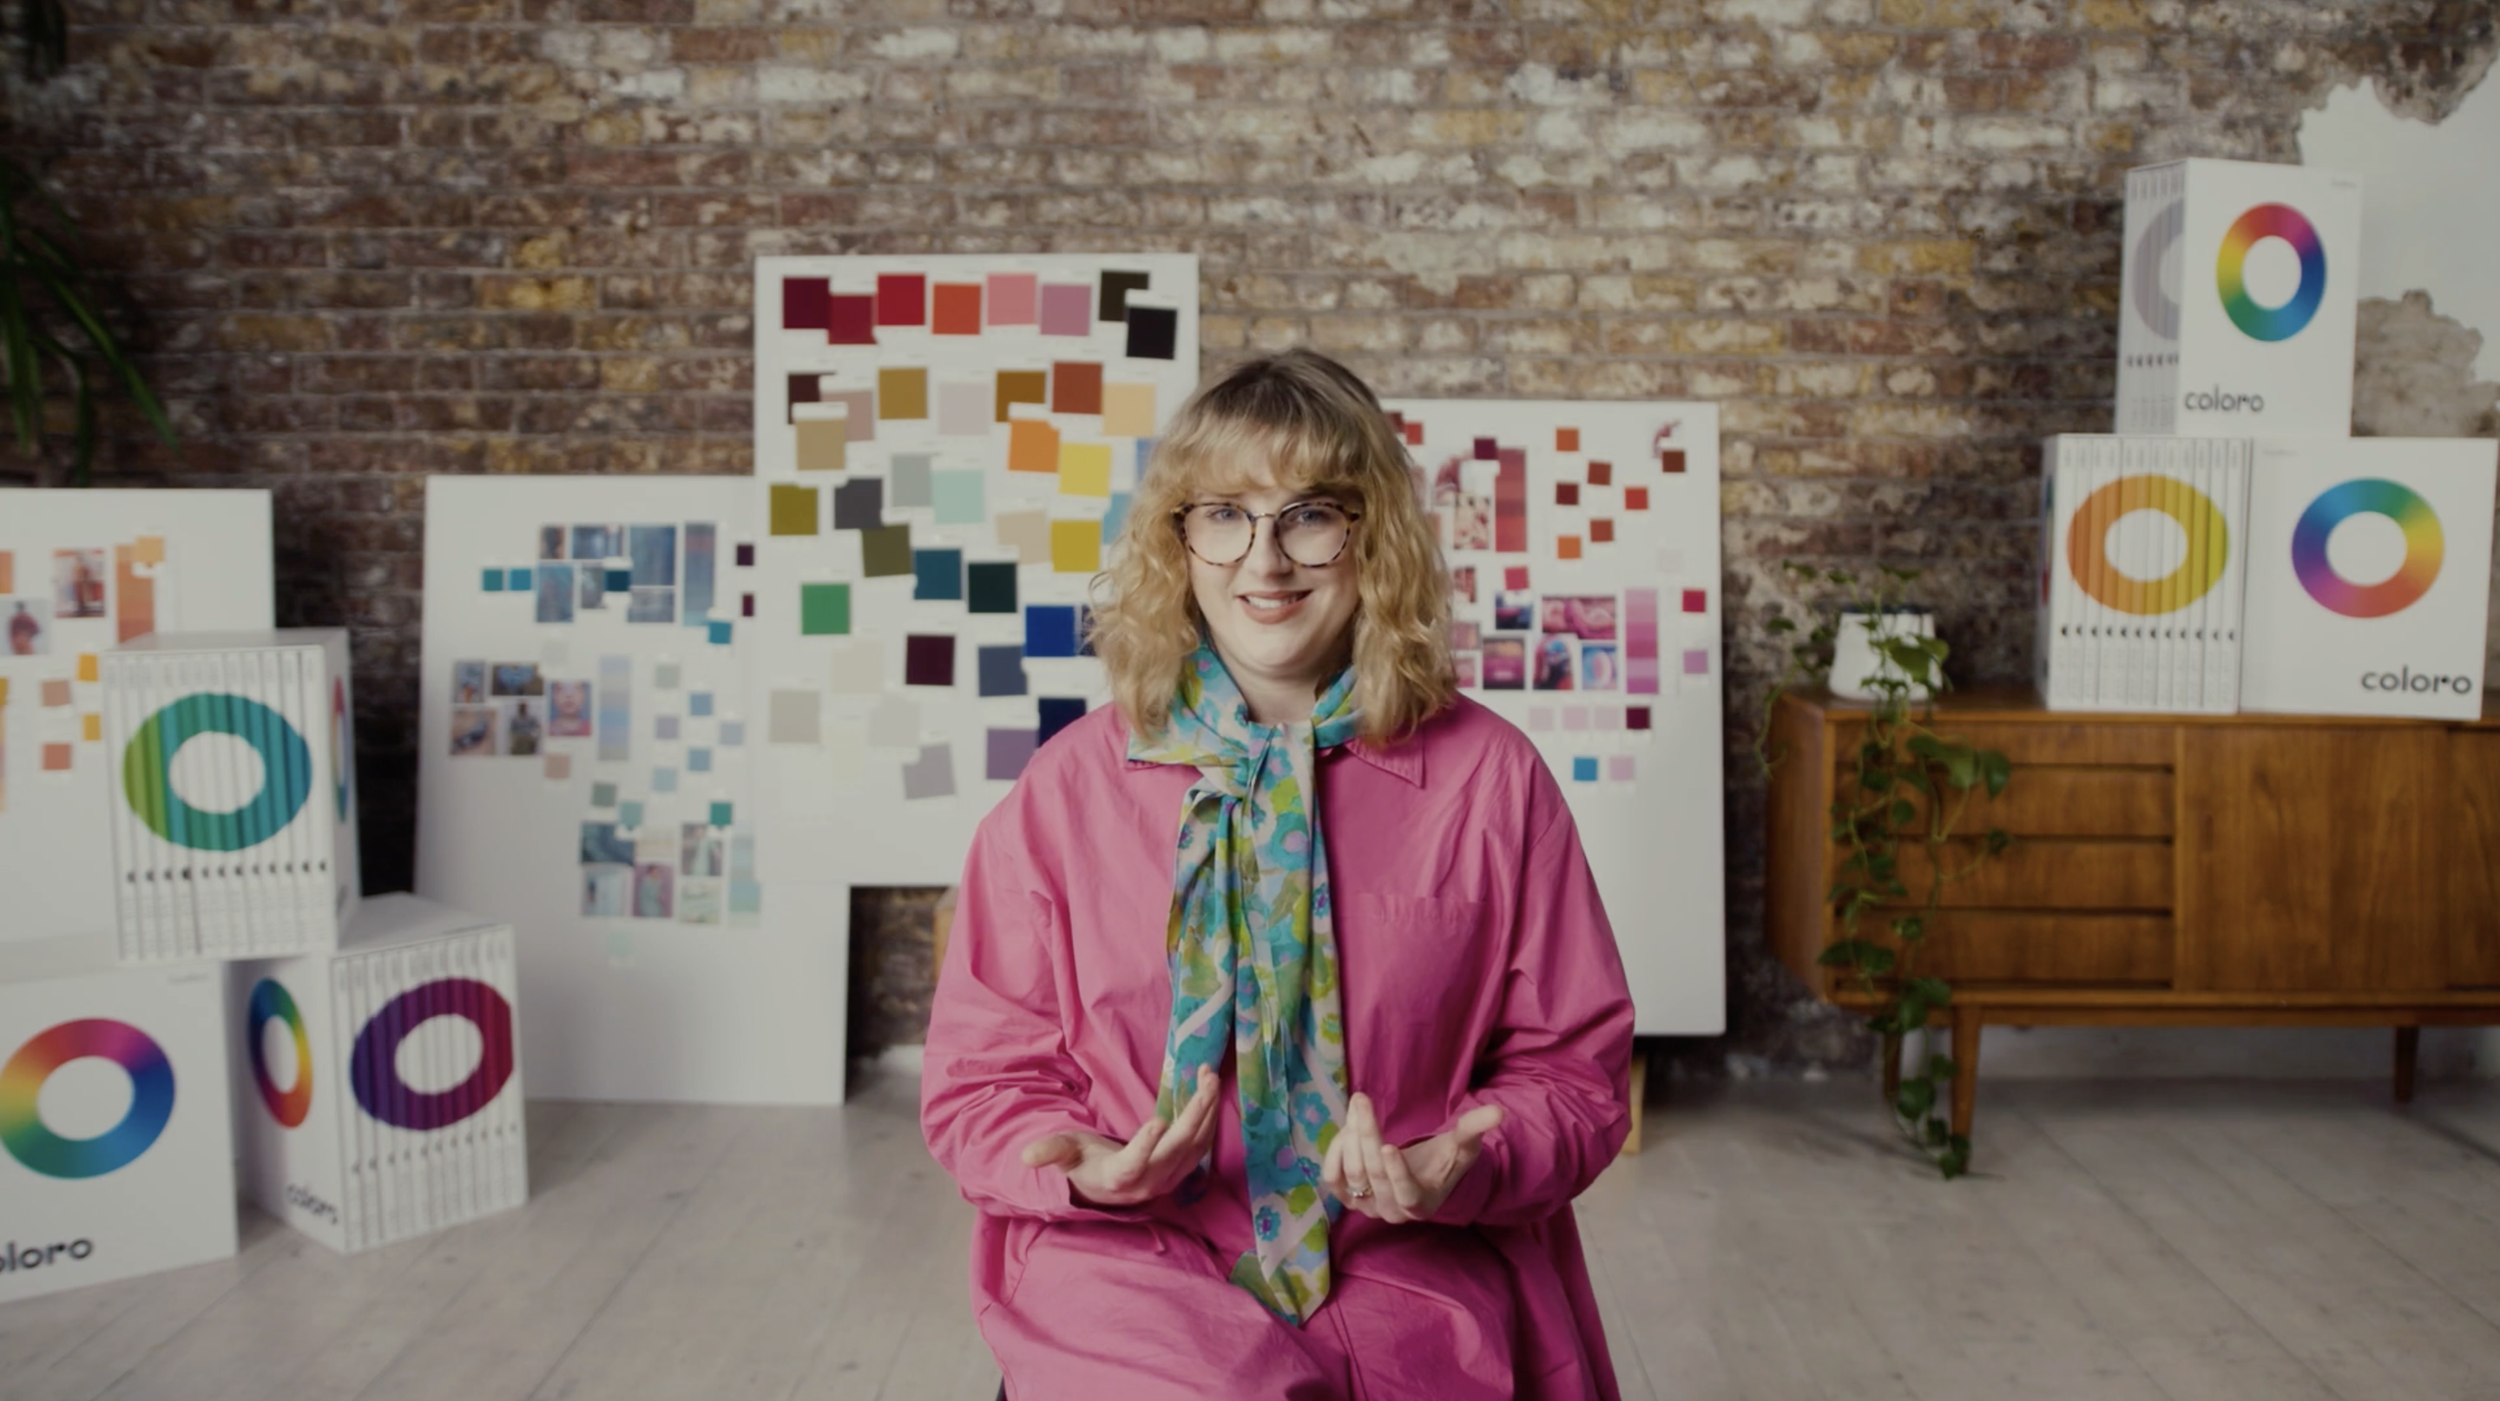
{"x":1583,"y":543}
{"x":233,"y":812}
{"x":379,"y":1087}
{"x":80,"y":573}
{"x":588,"y":771}
{"x":116,"y":1138}
{"x":945,"y":448}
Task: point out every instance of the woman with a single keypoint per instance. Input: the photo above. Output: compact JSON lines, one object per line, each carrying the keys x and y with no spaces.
{"x":1282,"y":1021}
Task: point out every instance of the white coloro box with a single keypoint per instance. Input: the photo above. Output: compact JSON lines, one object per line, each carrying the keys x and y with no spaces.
{"x":2237,"y":309}
{"x":116,"y":1140}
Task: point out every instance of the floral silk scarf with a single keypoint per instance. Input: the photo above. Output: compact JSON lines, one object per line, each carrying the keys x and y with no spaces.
{"x":1253,"y":951}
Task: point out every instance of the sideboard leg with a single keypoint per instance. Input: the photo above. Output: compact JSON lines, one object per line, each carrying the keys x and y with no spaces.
{"x":2408,"y":1044}
{"x":1965,"y":1066}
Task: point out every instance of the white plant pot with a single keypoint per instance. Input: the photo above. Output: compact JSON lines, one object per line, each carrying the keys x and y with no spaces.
{"x":1855,"y":662}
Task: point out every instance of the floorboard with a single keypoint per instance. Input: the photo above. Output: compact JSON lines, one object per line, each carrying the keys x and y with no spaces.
{"x":2121,"y":1242}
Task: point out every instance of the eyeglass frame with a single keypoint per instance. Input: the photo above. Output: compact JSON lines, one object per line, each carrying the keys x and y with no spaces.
{"x":1180,"y":527}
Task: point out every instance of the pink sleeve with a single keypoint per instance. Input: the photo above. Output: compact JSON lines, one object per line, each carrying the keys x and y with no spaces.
{"x":1560,"y":1056}
{"x":996,"y":1073}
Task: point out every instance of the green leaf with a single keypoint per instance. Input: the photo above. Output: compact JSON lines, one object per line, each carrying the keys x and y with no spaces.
{"x":1932,"y":990}
{"x":1903,"y":811}
{"x":1916,"y":1096}
{"x":1909,"y":929}
{"x":1779,"y":625}
{"x":1955,"y":1160}
{"x":1938,"y":1133}
{"x":1878,"y":961}
{"x":1994,"y":768}
{"x":1940,"y":1068}
{"x":1998,"y":840}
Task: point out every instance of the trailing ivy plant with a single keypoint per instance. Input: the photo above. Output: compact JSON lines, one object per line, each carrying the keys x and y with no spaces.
{"x":1908,"y":788}
{"x":47,"y":313}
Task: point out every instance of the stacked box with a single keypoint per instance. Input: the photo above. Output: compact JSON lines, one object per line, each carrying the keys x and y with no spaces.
{"x":2369,"y":576}
{"x":2237,"y":307}
{"x":233,"y":823}
{"x":2143,"y":545}
{"x":116,"y":1141}
{"x":379,"y":1086}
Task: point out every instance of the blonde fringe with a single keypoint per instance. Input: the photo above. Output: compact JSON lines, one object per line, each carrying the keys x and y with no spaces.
{"x":1306,"y":423}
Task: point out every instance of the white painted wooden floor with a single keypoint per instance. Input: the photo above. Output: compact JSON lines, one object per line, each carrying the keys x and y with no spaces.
{"x":2196,"y":1242}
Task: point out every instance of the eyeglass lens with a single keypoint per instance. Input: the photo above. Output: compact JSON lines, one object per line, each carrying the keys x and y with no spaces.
{"x":1311,"y":533}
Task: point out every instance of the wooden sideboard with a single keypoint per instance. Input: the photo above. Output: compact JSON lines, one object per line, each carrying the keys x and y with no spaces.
{"x":2174,"y":870}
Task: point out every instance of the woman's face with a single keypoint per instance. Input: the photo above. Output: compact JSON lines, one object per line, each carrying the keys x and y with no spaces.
{"x":1280,"y":627}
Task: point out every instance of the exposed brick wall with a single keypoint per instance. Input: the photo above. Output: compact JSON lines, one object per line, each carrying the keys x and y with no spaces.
{"x":365,"y":240}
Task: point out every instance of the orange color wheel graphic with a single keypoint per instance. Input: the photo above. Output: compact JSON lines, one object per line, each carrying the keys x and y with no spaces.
{"x":2208,"y":537}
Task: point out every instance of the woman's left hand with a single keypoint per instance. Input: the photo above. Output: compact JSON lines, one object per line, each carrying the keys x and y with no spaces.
{"x":1379,"y":1179}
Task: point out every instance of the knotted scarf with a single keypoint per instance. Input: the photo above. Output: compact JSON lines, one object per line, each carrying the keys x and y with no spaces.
{"x":1253,"y":953}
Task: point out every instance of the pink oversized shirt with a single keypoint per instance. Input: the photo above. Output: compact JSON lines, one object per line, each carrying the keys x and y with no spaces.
{"x":1477,"y":967}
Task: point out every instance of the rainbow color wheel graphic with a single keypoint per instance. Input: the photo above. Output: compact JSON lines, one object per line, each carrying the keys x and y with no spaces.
{"x":286,"y":772}
{"x":270,"y":999}
{"x":2208,"y":544}
{"x":21,"y":1083}
{"x":373,"y":1071}
{"x":2425,"y":546}
{"x":2263,"y":222}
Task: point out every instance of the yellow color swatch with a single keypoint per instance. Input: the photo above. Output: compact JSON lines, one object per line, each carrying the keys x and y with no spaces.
{"x":1128,"y":410}
{"x":1084,"y":469}
{"x":1076,"y":546}
{"x":148,"y":549}
{"x":823,"y":444}
{"x":91,"y":726}
{"x":4,"y":690}
{"x":793,"y":510}
{"x":86,"y":666}
{"x":1032,"y":446}
{"x":903,"y":393}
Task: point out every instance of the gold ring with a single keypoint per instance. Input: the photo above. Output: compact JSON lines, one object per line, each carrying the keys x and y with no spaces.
{"x":1364,"y":1193}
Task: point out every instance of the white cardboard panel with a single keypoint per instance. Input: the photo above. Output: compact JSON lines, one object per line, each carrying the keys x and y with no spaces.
{"x":892,"y":777}
{"x":649,"y":1007}
{"x":1654,"y":837}
{"x":55,"y":858}
{"x":80,"y":1043}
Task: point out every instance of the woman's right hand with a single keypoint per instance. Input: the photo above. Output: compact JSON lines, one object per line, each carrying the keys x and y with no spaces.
{"x":1102,"y":1172}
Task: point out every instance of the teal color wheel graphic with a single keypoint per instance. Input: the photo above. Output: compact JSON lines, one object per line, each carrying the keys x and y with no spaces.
{"x":286,"y":772}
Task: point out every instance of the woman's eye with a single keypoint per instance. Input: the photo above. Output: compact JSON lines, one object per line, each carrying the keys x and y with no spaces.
{"x":1314,"y":515}
{"x":1221,"y":515}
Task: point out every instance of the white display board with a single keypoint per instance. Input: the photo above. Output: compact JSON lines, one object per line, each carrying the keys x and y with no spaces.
{"x":2238,"y":314}
{"x":378,"y":1089}
{"x":1583,"y":541}
{"x":80,"y":573}
{"x":944,"y":448}
{"x":588,"y":775}
{"x":2369,"y":576}
{"x":116,"y":1136}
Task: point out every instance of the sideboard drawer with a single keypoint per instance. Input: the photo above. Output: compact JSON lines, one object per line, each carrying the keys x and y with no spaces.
{"x":2000,"y":946}
{"x":2051,"y":874}
{"x":2048,"y":742}
{"x":2063,"y":802}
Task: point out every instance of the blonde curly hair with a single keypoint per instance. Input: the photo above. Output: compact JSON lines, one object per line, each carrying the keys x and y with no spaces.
{"x":1304,"y":423}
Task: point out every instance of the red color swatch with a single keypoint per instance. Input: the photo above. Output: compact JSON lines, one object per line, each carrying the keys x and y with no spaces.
{"x":1566,"y":440}
{"x":1075,"y":387}
{"x":1671,"y":460}
{"x":852,"y":321}
{"x":1636,"y":498}
{"x":1696,"y":601}
{"x":902,"y":299}
{"x":1566,"y":493}
{"x":1515,"y":578}
{"x":1601,"y":474}
{"x":805,"y":303}
{"x":1601,"y":532}
{"x":958,"y":309}
{"x":1636,"y":718}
